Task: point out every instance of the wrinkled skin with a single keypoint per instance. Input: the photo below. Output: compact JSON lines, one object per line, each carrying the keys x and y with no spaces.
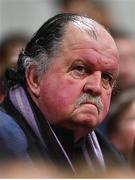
{"x":82,"y":65}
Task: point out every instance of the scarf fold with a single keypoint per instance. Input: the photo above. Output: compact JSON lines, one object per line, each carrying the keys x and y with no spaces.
{"x":20,"y":100}
{"x":95,"y":148}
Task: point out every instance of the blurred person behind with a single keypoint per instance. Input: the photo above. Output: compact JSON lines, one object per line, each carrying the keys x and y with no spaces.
{"x":126,"y":46}
{"x":95,"y":9}
{"x":121,"y":122}
{"x":10,"y":47}
{"x":42,"y":170}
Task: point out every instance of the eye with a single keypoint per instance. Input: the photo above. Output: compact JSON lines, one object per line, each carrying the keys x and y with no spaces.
{"x":107,"y":80}
{"x":79,"y":71}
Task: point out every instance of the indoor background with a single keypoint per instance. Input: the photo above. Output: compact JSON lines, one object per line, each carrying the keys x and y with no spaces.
{"x":28,"y":15}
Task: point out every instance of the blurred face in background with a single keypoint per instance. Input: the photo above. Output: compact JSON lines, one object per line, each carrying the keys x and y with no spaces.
{"x":13,"y":51}
{"x":125,"y":136}
{"x":126,"y":49}
{"x":10,"y":48}
{"x":95,"y":10}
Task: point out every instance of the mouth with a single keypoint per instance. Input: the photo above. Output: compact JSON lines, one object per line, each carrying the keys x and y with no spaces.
{"x":90,"y":103}
{"x":98,"y":106}
{"x":95,"y":101}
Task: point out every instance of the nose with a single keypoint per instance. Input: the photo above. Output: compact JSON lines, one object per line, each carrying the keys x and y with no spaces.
{"x":93,"y":84}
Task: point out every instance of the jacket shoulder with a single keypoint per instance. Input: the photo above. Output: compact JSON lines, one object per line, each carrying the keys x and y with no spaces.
{"x":12,"y":137}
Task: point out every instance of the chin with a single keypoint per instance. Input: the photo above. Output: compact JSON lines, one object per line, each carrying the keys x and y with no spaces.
{"x":83,"y":127}
{"x":90,"y":122}
{"x":81,"y":131}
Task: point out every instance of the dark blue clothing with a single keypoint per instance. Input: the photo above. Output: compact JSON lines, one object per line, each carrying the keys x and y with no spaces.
{"x":13,"y":142}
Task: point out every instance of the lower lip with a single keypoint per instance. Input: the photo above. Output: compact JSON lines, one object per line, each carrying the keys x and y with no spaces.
{"x":88,"y":106}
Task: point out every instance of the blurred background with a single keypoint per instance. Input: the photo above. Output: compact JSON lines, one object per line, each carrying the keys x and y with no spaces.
{"x":28,"y":15}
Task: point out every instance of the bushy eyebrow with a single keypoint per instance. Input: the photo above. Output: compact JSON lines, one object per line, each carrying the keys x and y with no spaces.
{"x":82,"y":62}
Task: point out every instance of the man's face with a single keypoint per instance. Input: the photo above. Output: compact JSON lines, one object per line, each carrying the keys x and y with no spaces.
{"x":75,"y":91}
{"x":126,"y":49}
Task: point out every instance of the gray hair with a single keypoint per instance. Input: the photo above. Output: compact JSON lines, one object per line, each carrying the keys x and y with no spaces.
{"x":47,"y":40}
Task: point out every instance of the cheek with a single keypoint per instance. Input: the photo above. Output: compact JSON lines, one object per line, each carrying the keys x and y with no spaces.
{"x":106,"y":97}
{"x":59,"y":95}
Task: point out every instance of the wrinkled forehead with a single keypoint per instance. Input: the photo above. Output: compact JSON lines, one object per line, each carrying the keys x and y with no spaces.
{"x":87,"y":35}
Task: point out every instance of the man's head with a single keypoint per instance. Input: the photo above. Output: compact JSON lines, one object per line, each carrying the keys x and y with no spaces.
{"x":71,"y":64}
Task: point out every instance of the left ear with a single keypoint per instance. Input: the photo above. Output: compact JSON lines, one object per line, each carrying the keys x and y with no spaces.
{"x":33,"y":80}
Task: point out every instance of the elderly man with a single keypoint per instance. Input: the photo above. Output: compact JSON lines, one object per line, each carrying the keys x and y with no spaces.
{"x":60,"y":94}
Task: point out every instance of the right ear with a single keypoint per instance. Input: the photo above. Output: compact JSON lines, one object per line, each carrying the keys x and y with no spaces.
{"x":33,"y":80}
